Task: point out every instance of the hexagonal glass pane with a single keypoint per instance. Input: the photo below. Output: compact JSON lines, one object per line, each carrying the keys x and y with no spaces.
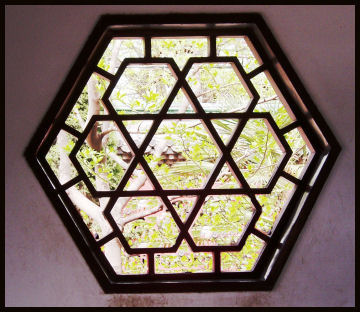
{"x":239,"y":47}
{"x":121,"y":261}
{"x":222,"y":220}
{"x":273,"y":204}
{"x":90,"y":209}
{"x":183,"y":205}
{"x":142,"y":88}
{"x":218,"y":87}
{"x":257,"y":153}
{"x":119,"y":49}
{"x":57,"y":157}
{"x":302,"y":152}
{"x":244,"y":260}
{"x":101,"y":156}
{"x":184,"y":261}
{"x":180,"y":49}
{"x":271,"y":102}
{"x":90,"y":97}
{"x":182,"y":155}
{"x":145,"y":222}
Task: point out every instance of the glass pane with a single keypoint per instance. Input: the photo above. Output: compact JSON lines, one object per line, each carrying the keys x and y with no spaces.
{"x":301,"y":152}
{"x":180,"y":49}
{"x":57,"y":157}
{"x":273,"y":204}
{"x":138,"y":129}
{"x":226,"y":179}
{"x":257,"y":153}
{"x":183,"y":205}
{"x":237,"y":46}
{"x":181,"y":154}
{"x":122,"y":262}
{"x":142,"y":88}
{"x":222,"y":220}
{"x":118,"y":50}
{"x":184,"y":261}
{"x":225,"y":128}
{"x":145,"y":223}
{"x":80,"y":114}
{"x":218,"y":87}
{"x":270,"y":102}
{"x":181,"y":104}
{"x":102,"y":157}
{"x":244,"y":260}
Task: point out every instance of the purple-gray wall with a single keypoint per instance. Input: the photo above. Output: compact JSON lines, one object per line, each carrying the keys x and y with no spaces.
{"x":43,"y":267}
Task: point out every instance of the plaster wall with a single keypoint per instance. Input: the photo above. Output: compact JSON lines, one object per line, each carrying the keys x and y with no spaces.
{"x":43,"y":267}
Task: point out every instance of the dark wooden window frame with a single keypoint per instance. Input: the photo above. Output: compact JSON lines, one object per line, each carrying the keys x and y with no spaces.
{"x":281,"y":240}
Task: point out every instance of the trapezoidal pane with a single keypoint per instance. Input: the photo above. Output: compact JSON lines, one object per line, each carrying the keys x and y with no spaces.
{"x":244,"y":260}
{"x":58,"y":157}
{"x":90,"y":209}
{"x":181,"y":154}
{"x":218,"y":87}
{"x":119,"y":49}
{"x":257,"y":153}
{"x":222,"y":220}
{"x":180,"y":49}
{"x":122,"y":262}
{"x":89,"y":103}
{"x":239,"y":47}
{"x":101,"y":157}
{"x":273,"y":204}
{"x":271,"y":101}
{"x":184,"y":261}
{"x":145,"y":222}
{"x":302,"y":152}
{"x":142,"y":88}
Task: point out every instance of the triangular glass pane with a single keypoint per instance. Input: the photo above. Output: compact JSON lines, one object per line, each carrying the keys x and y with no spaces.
{"x":226,"y":179}
{"x":138,"y":181}
{"x":183,"y":205}
{"x":181,"y":104}
{"x":138,"y":129}
{"x":225,"y":128}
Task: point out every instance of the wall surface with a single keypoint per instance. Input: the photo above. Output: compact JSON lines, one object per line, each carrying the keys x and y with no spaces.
{"x":43,"y":267}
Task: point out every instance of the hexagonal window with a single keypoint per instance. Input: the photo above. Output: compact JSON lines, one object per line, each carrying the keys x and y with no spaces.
{"x":257,"y":153}
{"x":183,"y":156}
{"x":222,"y":220}
{"x":102,"y":156}
{"x":219,"y":87}
{"x":142,"y":88}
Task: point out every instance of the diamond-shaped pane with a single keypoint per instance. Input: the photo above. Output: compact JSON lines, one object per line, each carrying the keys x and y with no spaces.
{"x":156,"y":229}
{"x":102,"y":157}
{"x":222,"y":220}
{"x":190,"y":150}
{"x":257,"y":153}
{"x":142,"y":88}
